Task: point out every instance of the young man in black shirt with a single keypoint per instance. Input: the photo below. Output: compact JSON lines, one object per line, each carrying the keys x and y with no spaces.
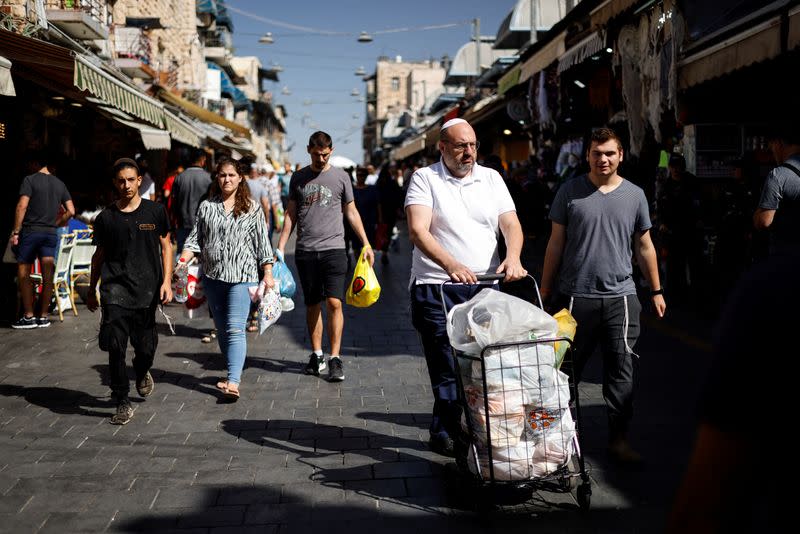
{"x":134,"y":260}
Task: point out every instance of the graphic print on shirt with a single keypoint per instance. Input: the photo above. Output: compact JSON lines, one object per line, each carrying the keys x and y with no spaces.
{"x":313,"y":193}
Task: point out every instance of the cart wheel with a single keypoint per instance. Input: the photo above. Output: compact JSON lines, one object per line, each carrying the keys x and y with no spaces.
{"x":584,"y":496}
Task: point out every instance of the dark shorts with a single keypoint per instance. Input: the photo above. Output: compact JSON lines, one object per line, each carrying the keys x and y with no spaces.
{"x":35,"y":245}
{"x":322,"y":274}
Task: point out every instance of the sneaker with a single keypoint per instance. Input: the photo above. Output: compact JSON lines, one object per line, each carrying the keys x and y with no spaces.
{"x":442,"y":444}
{"x":124,"y":413}
{"x":335,"y":370}
{"x":146,"y":385}
{"x":25,"y":323}
{"x":316,"y":365}
{"x":42,"y":322}
{"x":621,"y":452}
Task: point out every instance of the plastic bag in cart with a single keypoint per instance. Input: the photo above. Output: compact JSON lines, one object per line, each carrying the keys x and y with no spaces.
{"x":495,"y":317}
{"x":518,"y":367}
{"x":506,"y":415}
{"x":567,"y":325}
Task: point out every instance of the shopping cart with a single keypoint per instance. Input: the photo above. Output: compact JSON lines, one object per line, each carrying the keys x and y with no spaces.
{"x":521,"y":418}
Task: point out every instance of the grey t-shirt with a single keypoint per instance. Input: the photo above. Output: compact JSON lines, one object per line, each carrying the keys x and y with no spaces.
{"x":46,"y":193}
{"x":320,"y":198}
{"x":781,"y":192}
{"x":188,"y":189}
{"x":599,"y":237}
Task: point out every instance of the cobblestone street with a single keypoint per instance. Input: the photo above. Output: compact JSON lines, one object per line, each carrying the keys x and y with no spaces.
{"x":296,"y":453}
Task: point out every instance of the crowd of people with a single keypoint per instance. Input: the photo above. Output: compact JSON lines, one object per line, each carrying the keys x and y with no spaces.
{"x":457,"y":211}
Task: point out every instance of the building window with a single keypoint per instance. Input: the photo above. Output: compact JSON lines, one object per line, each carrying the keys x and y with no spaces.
{"x":395,"y":84}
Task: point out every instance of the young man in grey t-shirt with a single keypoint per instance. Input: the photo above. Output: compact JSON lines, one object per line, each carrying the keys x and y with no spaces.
{"x":598,"y":219}
{"x":318,"y":195}
{"x":779,"y":205}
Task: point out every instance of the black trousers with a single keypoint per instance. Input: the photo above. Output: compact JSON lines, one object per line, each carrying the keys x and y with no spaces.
{"x":117,"y":327}
{"x":430,"y":322}
{"x":613,"y":324}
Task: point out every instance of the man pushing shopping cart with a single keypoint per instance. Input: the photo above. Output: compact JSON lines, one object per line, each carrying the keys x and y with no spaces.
{"x":455,"y":209}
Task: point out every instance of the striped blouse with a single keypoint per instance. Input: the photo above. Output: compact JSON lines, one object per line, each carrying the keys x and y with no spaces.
{"x":231,"y":248}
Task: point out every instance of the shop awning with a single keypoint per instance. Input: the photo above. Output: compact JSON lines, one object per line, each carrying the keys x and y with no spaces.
{"x":59,"y":69}
{"x":44,"y":63}
{"x":793,"y":39}
{"x":465,"y":63}
{"x":91,"y":78}
{"x":206,"y":6}
{"x":182,"y":131}
{"x":586,"y":48}
{"x":152,"y":138}
{"x":201,"y":113}
{"x":484,"y":109}
{"x":609,"y":9}
{"x":756,"y":44}
{"x":240,"y":100}
{"x":409,"y":148}
{"x":509,"y":79}
{"x":219,"y":138}
{"x":6,"y":83}
{"x":550,"y":52}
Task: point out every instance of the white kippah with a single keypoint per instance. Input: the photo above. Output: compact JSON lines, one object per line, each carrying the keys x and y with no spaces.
{"x":452,"y":122}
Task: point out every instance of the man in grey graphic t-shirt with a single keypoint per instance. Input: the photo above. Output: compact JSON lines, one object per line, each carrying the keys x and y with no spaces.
{"x":318,"y":196}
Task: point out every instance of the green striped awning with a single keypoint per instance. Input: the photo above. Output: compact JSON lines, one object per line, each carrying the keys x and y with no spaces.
{"x":182,"y":131}
{"x":90,"y":78}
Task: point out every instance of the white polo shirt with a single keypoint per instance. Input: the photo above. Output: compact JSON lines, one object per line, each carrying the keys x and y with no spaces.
{"x":465,"y":218}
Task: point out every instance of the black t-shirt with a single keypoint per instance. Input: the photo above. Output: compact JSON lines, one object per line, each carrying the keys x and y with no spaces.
{"x":132,"y":271}
{"x":47,"y":193}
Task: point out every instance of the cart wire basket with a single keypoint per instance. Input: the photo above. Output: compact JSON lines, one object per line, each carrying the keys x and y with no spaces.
{"x":521,"y":417}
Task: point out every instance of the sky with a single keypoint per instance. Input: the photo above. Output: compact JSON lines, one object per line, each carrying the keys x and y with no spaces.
{"x":316,"y":45}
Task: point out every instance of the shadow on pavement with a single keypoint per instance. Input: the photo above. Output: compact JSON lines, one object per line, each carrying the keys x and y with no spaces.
{"x":205,"y":384}
{"x":59,"y":400}
{"x":261,"y":509}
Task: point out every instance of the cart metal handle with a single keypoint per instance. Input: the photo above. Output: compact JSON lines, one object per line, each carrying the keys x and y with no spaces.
{"x":488,"y":277}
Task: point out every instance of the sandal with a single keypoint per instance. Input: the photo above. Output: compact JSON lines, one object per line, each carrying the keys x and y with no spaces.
{"x":208,"y":338}
{"x":231,"y":395}
{"x":252,"y":326}
{"x":222,"y":385}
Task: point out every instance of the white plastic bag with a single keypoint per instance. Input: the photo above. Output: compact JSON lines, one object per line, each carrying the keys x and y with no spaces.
{"x":506,"y":415}
{"x":269,"y":305}
{"x":495,"y":317}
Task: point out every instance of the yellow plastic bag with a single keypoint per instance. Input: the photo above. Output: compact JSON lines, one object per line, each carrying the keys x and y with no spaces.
{"x":566,"y":328}
{"x":364,"y":289}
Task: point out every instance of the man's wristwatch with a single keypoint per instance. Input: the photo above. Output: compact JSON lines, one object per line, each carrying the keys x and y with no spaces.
{"x":659,"y":291}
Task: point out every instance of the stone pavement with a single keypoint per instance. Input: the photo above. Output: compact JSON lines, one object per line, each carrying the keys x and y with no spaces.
{"x":296,"y":453}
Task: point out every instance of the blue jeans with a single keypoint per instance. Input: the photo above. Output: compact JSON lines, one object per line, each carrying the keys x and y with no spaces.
{"x":230,"y":305}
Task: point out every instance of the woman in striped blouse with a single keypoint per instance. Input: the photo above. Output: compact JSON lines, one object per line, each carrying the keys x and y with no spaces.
{"x":230,"y":237}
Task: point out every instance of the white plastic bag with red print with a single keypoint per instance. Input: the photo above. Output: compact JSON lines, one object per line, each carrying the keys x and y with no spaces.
{"x":196,"y":303}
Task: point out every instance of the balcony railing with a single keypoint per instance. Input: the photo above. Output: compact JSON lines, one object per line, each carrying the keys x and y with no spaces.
{"x":94,"y":8}
{"x":132,"y":43}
